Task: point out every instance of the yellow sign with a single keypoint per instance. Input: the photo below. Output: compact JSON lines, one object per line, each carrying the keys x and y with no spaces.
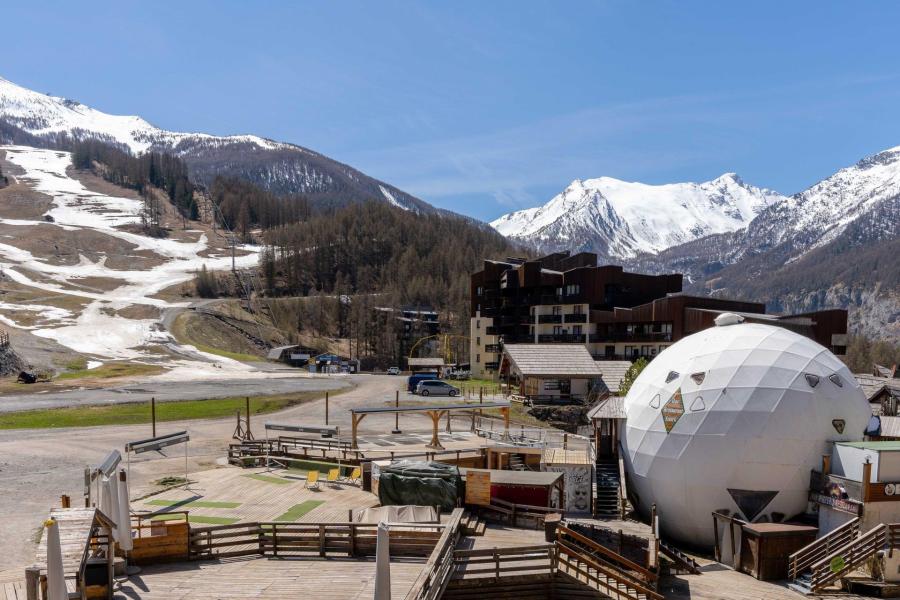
{"x":672,"y":410}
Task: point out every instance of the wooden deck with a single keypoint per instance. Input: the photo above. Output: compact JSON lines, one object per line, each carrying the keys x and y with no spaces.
{"x":329,"y":579}
{"x":231,"y":495}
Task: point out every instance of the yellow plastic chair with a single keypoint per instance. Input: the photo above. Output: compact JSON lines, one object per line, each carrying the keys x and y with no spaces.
{"x":312,"y":479}
{"x":333,"y":475}
{"x":355,"y":475}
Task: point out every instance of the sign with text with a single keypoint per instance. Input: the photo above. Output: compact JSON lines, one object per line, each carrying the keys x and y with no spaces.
{"x":672,"y":410}
{"x":478,"y":487}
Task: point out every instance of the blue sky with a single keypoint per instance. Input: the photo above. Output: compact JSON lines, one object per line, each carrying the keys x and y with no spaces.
{"x":487,"y":107}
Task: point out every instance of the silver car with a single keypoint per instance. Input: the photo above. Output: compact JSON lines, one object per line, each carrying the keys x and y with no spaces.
{"x":434,"y":387}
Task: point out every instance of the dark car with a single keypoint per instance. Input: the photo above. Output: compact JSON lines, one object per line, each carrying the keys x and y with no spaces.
{"x":414,"y":380}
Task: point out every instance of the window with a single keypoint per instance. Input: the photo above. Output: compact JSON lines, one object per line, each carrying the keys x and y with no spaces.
{"x":478,"y":324}
{"x":630,"y":351}
{"x":478,"y":341}
{"x":576,"y":329}
{"x":551,"y":384}
{"x":573,"y":289}
{"x":479,"y":291}
{"x":557,"y":330}
{"x":578,"y":309}
{"x":557,"y":310}
{"x":478,"y":358}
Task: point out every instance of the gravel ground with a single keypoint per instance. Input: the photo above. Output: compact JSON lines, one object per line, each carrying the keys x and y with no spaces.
{"x":37,"y":466}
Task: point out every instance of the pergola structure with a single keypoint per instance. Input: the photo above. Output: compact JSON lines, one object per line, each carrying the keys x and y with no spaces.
{"x":435,"y":412}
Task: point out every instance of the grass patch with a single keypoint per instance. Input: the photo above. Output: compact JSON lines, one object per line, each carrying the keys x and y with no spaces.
{"x":298,"y":510}
{"x":194,"y":503}
{"x":76,"y":364}
{"x":304,"y":466}
{"x":132,"y":414}
{"x":110,"y":370}
{"x":206,"y":520}
{"x":207,"y":335}
{"x":268,"y":478}
{"x":170,"y":481}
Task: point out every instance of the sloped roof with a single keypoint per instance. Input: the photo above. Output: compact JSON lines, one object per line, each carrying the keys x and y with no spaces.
{"x":552,"y":360}
{"x":610,"y":408}
{"x":425,"y":362}
{"x":890,"y":427}
{"x":613,"y":373}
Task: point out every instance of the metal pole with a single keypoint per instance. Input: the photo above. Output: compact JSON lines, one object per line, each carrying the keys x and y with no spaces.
{"x":396,"y":414}
{"x":153,"y":414}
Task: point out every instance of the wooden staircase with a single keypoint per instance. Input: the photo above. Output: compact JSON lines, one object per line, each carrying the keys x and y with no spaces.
{"x":682,"y":561}
{"x":606,"y":497}
{"x":799,"y":562}
{"x":517,"y":463}
{"x":604,"y":570}
{"x":472,"y":525}
{"x":839,"y":562}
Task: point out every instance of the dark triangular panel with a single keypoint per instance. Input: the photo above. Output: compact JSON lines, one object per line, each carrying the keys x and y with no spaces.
{"x":751,"y":502}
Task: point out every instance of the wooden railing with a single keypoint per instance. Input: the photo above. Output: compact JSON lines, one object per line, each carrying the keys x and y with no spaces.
{"x":588,"y":548}
{"x":893,"y":536}
{"x":800,"y":561}
{"x":248,"y":453}
{"x":496,"y":563}
{"x":843,"y":560}
{"x":514,"y":512}
{"x":436,"y":574}
{"x":602,"y":577}
{"x":290,"y":539}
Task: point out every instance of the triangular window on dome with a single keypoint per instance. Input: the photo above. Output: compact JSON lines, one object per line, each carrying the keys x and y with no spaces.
{"x":654,"y":403}
{"x":812,"y":380}
{"x":698,"y":404}
{"x":836,"y":380}
{"x":698,"y":377}
{"x":672,"y":376}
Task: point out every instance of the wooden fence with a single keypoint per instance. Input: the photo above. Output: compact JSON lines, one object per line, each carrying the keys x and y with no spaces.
{"x":322,"y":539}
{"x":436,"y":574}
{"x":514,"y":514}
{"x":496,"y":563}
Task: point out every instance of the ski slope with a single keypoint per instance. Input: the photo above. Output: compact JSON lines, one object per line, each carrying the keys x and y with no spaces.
{"x":96,"y":329}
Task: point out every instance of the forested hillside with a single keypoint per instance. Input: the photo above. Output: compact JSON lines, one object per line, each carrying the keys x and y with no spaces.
{"x":156,"y":169}
{"x":373,"y":248}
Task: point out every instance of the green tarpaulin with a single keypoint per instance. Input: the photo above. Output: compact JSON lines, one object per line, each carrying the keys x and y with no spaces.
{"x":420,"y":483}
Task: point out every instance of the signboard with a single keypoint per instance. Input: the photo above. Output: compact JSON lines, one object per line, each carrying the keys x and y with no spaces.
{"x":848,"y":506}
{"x":478,"y":487}
{"x":672,"y":410}
{"x":158,"y":443}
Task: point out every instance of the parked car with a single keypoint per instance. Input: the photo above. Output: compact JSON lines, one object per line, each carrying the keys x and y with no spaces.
{"x":414,"y":380}
{"x":393,"y":371}
{"x":435,"y":387}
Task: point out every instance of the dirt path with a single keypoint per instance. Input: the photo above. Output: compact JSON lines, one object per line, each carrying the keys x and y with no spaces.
{"x":37,"y":466}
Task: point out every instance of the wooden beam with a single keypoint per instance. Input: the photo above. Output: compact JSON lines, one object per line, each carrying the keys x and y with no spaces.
{"x":355,"y":420}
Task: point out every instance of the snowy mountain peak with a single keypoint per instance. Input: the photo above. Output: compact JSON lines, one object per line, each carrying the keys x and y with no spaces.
{"x":620,"y":219}
{"x":276,"y":166}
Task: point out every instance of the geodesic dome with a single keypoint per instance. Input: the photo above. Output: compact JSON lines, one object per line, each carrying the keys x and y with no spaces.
{"x":732,"y":419}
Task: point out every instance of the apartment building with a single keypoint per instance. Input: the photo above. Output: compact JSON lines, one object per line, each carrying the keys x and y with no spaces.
{"x":617,"y":315}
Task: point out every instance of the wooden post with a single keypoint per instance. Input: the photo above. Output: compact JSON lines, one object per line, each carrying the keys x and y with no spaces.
{"x":66,"y":501}
{"x":505,"y":412}
{"x":448,"y":422}
{"x":866,"y":480}
{"x":435,"y":420}
{"x":354,"y":426}
{"x":326,"y":408}
{"x":826,"y":464}
{"x":351,"y":550}
{"x":32,"y":583}
{"x":321,"y":540}
{"x":249,"y":434}
{"x":153,"y":414}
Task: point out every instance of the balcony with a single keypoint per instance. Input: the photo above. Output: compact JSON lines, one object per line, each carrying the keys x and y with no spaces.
{"x":518,"y":339}
{"x":492,"y":348}
{"x":492,"y":366}
{"x":624,"y":336}
{"x":549,"y":318}
{"x":576,"y":318}
{"x":568,"y":338}
{"x":492,"y":330}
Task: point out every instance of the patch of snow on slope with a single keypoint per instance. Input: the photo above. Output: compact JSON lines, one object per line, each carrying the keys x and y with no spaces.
{"x":97,"y":330}
{"x":390,"y":198}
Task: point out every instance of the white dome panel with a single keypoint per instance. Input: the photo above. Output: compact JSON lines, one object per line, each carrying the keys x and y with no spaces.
{"x":761,"y":429}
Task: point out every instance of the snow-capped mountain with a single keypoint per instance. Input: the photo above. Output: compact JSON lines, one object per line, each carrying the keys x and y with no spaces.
{"x":836,"y":244}
{"x":279,"y":167}
{"x":620,"y":219}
